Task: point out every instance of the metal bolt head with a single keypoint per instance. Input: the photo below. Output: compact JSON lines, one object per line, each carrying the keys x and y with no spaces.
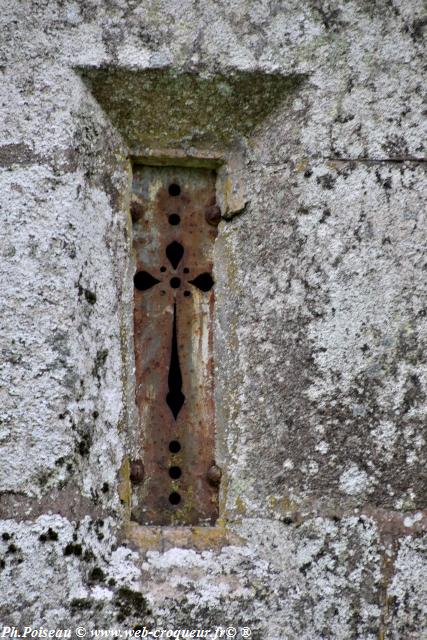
{"x":137,"y":472}
{"x":214,"y":475}
{"x":213,"y":215}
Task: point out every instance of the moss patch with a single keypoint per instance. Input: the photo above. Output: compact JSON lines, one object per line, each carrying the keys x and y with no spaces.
{"x":130,"y":605}
{"x":164,"y":108}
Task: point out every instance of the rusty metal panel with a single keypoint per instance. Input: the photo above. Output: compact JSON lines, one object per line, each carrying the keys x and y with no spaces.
{"x":174,"y":218}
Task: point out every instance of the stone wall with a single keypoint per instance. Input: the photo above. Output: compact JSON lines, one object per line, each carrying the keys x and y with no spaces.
{"x":320,"y":324}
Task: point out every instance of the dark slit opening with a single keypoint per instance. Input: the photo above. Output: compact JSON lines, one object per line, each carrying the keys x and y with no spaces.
{"x":175,"y":398}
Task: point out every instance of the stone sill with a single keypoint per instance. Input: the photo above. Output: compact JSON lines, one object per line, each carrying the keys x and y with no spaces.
{"x":152,"y":538}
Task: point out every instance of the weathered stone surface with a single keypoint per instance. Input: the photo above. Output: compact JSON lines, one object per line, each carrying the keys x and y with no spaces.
{"x":54,"y":574}
{"x":187,"y":109}
{"x":306,"y":566}
{"x":328,"y":319}
{"x":320,"y":331}
{"x":407,"y":593}
{"x":287,"y":576}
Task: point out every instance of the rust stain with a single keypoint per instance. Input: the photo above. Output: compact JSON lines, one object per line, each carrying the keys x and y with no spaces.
{"x":173,"y":309}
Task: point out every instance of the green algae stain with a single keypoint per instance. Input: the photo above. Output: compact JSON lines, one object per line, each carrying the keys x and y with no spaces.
{"x":165,"y":108}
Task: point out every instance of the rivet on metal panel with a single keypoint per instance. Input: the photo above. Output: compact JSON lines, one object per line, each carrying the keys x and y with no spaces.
{"x":214,"y":475}
{"x":137,"y":472}
{"x":213,"y":215}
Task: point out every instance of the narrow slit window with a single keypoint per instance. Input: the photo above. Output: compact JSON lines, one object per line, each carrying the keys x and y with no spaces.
{"x":174,"y":295}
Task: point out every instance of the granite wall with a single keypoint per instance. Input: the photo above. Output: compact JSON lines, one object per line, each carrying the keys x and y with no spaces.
{"x":320,"y":336}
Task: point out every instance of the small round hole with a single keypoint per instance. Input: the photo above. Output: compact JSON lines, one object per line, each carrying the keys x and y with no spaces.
{"x":174,"y":218}
{"x":175,"y":283}
{"x":162,"y":269}
{"x":174,"y":498}
{"x":174,"y":189}
{"x":186,"y":270}
{"x":174,"y":446}
{"x":187,"y":293}
{"x":175,"y":473}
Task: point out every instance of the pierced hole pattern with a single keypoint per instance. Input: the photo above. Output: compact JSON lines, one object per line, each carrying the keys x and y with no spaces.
{"x":175,"y":398}
{"x":174,"y":189}
{"x":174,"y":253}
{"x":144,"y":280}
{"x":174,"y":219}
{"x":174,"y":446}
{"x":204,"y":282}
{"x":175,"y":473}
{"x":174,"y":498}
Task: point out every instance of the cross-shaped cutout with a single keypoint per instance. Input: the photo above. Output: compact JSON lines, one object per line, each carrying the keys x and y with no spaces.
{"x":144,"y":281}
{"x":174,"y":224}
